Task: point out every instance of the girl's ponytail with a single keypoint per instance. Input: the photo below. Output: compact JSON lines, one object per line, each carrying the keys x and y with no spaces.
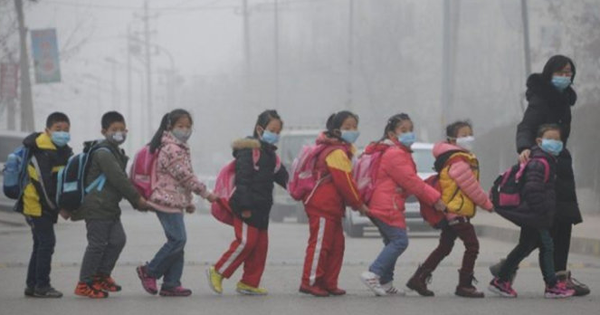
{"x":157,"y":138}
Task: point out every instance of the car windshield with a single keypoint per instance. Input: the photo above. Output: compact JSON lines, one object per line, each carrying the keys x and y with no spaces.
{"x":424,"y":160}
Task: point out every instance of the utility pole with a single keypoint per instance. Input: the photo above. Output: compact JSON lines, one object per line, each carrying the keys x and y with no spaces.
{"x":246,"y":30}
{"x":129,"y":81}
{"x":450,"y":33}
{"x":349,"y":79}
{"x":146,"y":20}
{"x":27,"y":119}
{"x":526,"y":45}
{"x":276,"y":50}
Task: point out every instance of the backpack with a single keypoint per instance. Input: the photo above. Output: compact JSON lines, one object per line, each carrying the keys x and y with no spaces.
{"x":142,"y":172}
{"x":305,"y":177}
{"x":365,"y":174}
{"x":15,"y":175}
{"x":71,"y":187}
{"x":506,"y":190}
{"x":225,"y":187}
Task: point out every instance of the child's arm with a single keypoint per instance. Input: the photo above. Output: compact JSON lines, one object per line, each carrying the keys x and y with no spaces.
{"x":403,"y":174}
{"x":244,"y":173}
{"x":340,"y":168}
{"x":180,"y":168}
{"x":461,"y":173}
{"x":535,"y":187}
{"x":282,"y":176}
{"x":117,"y":177}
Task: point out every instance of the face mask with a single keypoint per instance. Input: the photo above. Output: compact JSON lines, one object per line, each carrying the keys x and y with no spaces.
{"x":182,"y":134}
{"x":269,"y":137}
{"x":407,"y":138}
{"x":466,"y":142}
{"x":551,"y":146}
{"x":60,"y":138}
{"x":350,"y":136}
{"x":561,"y":82}
{"x":116,"y":137}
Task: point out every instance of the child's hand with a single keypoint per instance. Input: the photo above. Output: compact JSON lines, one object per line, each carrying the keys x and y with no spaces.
{"x":439,"y":205}
{"x":246,"y":214}
{"x":143,"y":204}
{"x":190,"y":209}
{"x":363,"y":209}
{"x":211,"y":198}
{"x":64,"y":214}
{"x":524,"y":156}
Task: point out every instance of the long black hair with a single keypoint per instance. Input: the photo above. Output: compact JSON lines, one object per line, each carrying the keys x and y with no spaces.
{"x":167,"y":122}
{"x":264,"y":119}
{"x":393,"y":123}
{"x":335,"y":122}
{"x":555,"y":64}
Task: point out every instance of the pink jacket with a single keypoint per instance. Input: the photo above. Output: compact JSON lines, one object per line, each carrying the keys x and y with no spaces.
{"x":462,"y":174}
{"x":397,"y":172}
{"x":175,"y":179}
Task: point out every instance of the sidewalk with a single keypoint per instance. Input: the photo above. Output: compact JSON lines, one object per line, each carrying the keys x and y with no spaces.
{"x":585,"y":238}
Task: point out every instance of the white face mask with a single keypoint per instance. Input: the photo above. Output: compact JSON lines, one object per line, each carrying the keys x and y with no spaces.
{"x":466,"y":142}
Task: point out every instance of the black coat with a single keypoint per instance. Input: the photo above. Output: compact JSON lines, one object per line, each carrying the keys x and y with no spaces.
{"x":538,"y":197}
{"x":547,"y":105}
{"x":254,"y":183}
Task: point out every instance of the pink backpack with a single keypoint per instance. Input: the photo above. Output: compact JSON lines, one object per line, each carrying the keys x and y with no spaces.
{"x":305,"y":178}
{"x":225,"y":187}
{"x":142,"y":174}
{"x":365,"y":174}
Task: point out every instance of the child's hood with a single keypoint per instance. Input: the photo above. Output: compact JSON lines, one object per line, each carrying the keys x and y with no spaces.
{"x":444,"y":147}
{"x":245,"y":143}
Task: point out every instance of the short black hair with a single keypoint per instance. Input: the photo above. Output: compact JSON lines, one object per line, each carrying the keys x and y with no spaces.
{"x":547,"y":127}
{"x":110,"y":118}
{"x":265,"y":118}
{"x":56,"y":117}
{"x":453,"y":128}
{"x":393,"y":123}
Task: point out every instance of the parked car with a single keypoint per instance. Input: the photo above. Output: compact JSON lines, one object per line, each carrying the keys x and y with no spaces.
{"x":290,"y":144}
{"x":355,"y":224}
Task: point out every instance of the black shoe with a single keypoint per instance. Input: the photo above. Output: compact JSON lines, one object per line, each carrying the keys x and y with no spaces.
{"x":29,"y":291}
{"x":572,"y":283}
{"x":48,"y":292}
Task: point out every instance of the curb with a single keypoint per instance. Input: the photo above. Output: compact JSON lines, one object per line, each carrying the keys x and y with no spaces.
{"x":579,"y":245}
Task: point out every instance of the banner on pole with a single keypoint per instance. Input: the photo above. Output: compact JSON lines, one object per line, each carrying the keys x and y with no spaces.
{"x":9,"y":80}
{"x":45,"y":56}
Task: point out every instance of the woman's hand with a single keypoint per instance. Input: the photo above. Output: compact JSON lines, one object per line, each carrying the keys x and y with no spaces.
{"x":524,"y":156}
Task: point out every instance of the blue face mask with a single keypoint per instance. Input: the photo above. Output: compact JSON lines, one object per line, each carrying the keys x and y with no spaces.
{"x":551,"y":146}
{"x":60,"y":138}
{"x":561,"y":82}
{"x":350,"y":136}
{"x":407,"y":138}
{"x":270,"y":137}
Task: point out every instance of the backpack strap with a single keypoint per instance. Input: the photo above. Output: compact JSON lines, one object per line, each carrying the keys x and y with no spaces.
{"x":523,"y":166}
{"x":38,"y":171}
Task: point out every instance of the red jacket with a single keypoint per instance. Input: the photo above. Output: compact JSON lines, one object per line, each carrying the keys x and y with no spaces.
{"x":397,"y":179}
{"x":338,"y":189}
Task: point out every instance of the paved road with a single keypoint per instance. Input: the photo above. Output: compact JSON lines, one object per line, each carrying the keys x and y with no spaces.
{"x":207,"y":240}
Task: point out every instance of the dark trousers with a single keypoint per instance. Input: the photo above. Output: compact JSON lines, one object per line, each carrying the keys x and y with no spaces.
{"x":106,"y":239}
{"x":44,"y":240}
{"x":466,"y":232}
{"x":561,"y":235}
{"x":530,"y":239}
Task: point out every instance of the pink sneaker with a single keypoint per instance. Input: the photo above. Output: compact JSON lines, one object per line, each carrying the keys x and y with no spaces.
{"x":558,"y":291}
{"x":502,"y":288}
{"x":176,"y":291}
{"x":148,"y":283}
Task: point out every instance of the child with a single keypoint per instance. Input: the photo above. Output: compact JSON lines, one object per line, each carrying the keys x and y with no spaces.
{"x":396,"y":179}
{"x":535,"y":216}
{"x":458,"y":170}
{"x":326,"y":207}
{"x":171,"y":196}
{"x":101,"y":211}
{"x":50,"y":153}
{"x":251,"y":203}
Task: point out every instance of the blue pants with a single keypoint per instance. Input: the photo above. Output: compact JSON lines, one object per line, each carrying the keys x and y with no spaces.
{"x":396,"y":242}
{"x":44,"y":240}
{"x":168,"y":262}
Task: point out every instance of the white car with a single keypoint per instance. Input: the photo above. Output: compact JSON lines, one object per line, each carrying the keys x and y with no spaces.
{"x":354,"y":223}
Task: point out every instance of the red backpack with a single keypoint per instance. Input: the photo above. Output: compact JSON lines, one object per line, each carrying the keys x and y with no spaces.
{"x":305,"y":178}
{"x":142,"y":173}
{"x":225,"y":187}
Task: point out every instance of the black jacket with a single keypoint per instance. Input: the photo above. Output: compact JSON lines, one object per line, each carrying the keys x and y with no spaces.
{"x":538,"y":203}
{"x":254,"y":183}
{"x":547,"y":105}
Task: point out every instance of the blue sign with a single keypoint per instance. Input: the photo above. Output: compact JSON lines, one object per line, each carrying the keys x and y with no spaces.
{"x":45,"y":56}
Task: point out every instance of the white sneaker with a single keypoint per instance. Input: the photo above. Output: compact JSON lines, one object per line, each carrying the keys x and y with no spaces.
{"x":371,"y":280}
{"x":390,"y":289}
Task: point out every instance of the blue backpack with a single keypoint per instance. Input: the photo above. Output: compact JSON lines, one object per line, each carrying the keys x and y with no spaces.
{"x":71,"y":187}
{"x":15,"y":176}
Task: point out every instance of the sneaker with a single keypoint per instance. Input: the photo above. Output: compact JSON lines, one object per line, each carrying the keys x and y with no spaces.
{"x":87,"y":290}
{"x":48,"y":292}
{"x":558,"y":291}
{"x":336,"y":292}
{"x":148,"y":283}
{"x":390,"y":289}
{"x":314,"y":291}
{"x":243,"y":288}
{"x":371,"y":280}
{"x":29,"y":291}
{"x":106,"y":283}
{"x":572,"y":283}
{"x":176,"y":291}
{"x":502,"y":288}
{"x":215,"y":280}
